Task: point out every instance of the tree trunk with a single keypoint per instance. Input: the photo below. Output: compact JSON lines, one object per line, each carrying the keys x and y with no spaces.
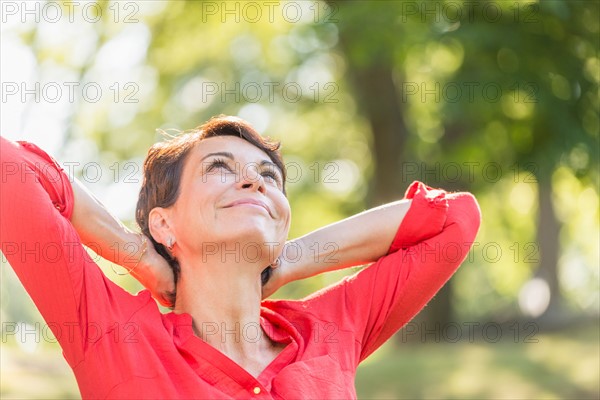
{"x":377,"y":97}
{"x":548,"y":231}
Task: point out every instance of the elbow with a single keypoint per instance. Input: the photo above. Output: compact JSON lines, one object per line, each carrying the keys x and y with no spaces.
{"x":468,"y":216}
{"x":474,"y":213}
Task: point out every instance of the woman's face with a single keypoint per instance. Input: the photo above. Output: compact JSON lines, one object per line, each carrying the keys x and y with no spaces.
{"x":230,"y":198}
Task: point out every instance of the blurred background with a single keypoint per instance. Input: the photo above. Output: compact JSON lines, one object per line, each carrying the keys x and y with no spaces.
{"x":497,"y":98}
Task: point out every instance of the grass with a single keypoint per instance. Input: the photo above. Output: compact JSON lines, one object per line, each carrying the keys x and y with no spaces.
{"x":563,"y":365}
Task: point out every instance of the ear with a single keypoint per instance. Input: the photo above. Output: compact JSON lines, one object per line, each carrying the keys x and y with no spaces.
{"x":159,"y":225}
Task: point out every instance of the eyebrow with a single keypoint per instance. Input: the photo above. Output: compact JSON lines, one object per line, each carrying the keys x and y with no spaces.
{"x":219,"y":153}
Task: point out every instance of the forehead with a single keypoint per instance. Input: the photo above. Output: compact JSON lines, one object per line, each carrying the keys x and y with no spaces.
{"x":242,"y":150}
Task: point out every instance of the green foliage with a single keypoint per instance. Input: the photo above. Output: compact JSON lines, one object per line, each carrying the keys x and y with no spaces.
{"x":543,"y":126}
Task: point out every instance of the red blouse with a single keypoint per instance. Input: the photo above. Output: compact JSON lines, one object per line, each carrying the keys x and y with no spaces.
{"x":121,"y":346}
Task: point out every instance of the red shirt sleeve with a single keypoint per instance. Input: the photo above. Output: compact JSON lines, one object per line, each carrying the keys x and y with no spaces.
{"x":430,"y":244}
{"x":78,"y":303}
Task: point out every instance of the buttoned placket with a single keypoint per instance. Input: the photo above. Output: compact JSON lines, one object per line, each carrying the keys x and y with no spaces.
{"x":223,"y":369}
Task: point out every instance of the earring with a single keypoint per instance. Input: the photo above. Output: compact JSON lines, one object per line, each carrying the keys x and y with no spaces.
{"x":170,"y":243}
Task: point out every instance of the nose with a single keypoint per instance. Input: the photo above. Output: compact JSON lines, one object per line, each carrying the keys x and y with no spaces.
{"x":251,"y":179}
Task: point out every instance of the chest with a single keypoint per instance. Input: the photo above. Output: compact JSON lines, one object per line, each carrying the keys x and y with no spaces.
{"x":255,"y":366}
{"x":194,"y":369}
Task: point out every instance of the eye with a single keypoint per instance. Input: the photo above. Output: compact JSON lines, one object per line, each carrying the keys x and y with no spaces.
{"x":218,"y":163}
{"x":271,"y":176}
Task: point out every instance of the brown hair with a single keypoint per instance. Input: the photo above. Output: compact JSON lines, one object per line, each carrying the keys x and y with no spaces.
{"x":163,"y":168}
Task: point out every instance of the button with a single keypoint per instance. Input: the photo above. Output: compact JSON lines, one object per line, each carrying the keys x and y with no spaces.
{"x":256,"y":390}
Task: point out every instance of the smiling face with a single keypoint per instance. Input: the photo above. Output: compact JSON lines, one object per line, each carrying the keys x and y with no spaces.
{"x":231,"y":195}
{"x":219,"y":186}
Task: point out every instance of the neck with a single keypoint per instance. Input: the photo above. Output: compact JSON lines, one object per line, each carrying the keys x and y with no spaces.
{"x":224,"y":302}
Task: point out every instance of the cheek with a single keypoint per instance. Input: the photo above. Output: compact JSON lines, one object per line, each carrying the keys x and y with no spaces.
{"x":194,"y":208}
{"x":285,"y":212}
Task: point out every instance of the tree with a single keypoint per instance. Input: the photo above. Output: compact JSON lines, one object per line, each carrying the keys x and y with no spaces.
{"x":498,"y":68}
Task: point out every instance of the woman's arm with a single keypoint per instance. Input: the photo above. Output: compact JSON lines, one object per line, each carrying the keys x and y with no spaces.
{"x":43,"y":248}
{"x":430,"y":243}
{"x":110,"y":239}
{"x":360,"y":239}
{"x":101,"y":231}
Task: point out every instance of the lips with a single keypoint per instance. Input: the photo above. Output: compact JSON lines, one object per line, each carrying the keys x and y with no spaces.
{"x":250,"y":201}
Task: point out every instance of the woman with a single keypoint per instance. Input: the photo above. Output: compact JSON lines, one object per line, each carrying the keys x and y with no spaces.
{"x":213,"y":206}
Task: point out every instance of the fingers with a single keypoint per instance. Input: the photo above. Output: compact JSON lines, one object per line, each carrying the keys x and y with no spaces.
{"x":165,"y":302}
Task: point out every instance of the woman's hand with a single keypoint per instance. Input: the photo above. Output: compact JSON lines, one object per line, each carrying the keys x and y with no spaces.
{"x":156,"y":275}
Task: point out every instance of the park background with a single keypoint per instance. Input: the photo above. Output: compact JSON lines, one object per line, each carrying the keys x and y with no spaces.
{"x":497,"y":98}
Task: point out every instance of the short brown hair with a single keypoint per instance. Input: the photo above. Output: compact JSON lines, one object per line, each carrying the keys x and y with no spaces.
{"x":164,"y":164}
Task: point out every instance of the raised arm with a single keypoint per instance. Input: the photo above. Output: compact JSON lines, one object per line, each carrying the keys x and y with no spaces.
{"x":43,"y":248}
{"x":110,"y":239}
{"x":360,"y":239}
{"x":431,"y":241}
